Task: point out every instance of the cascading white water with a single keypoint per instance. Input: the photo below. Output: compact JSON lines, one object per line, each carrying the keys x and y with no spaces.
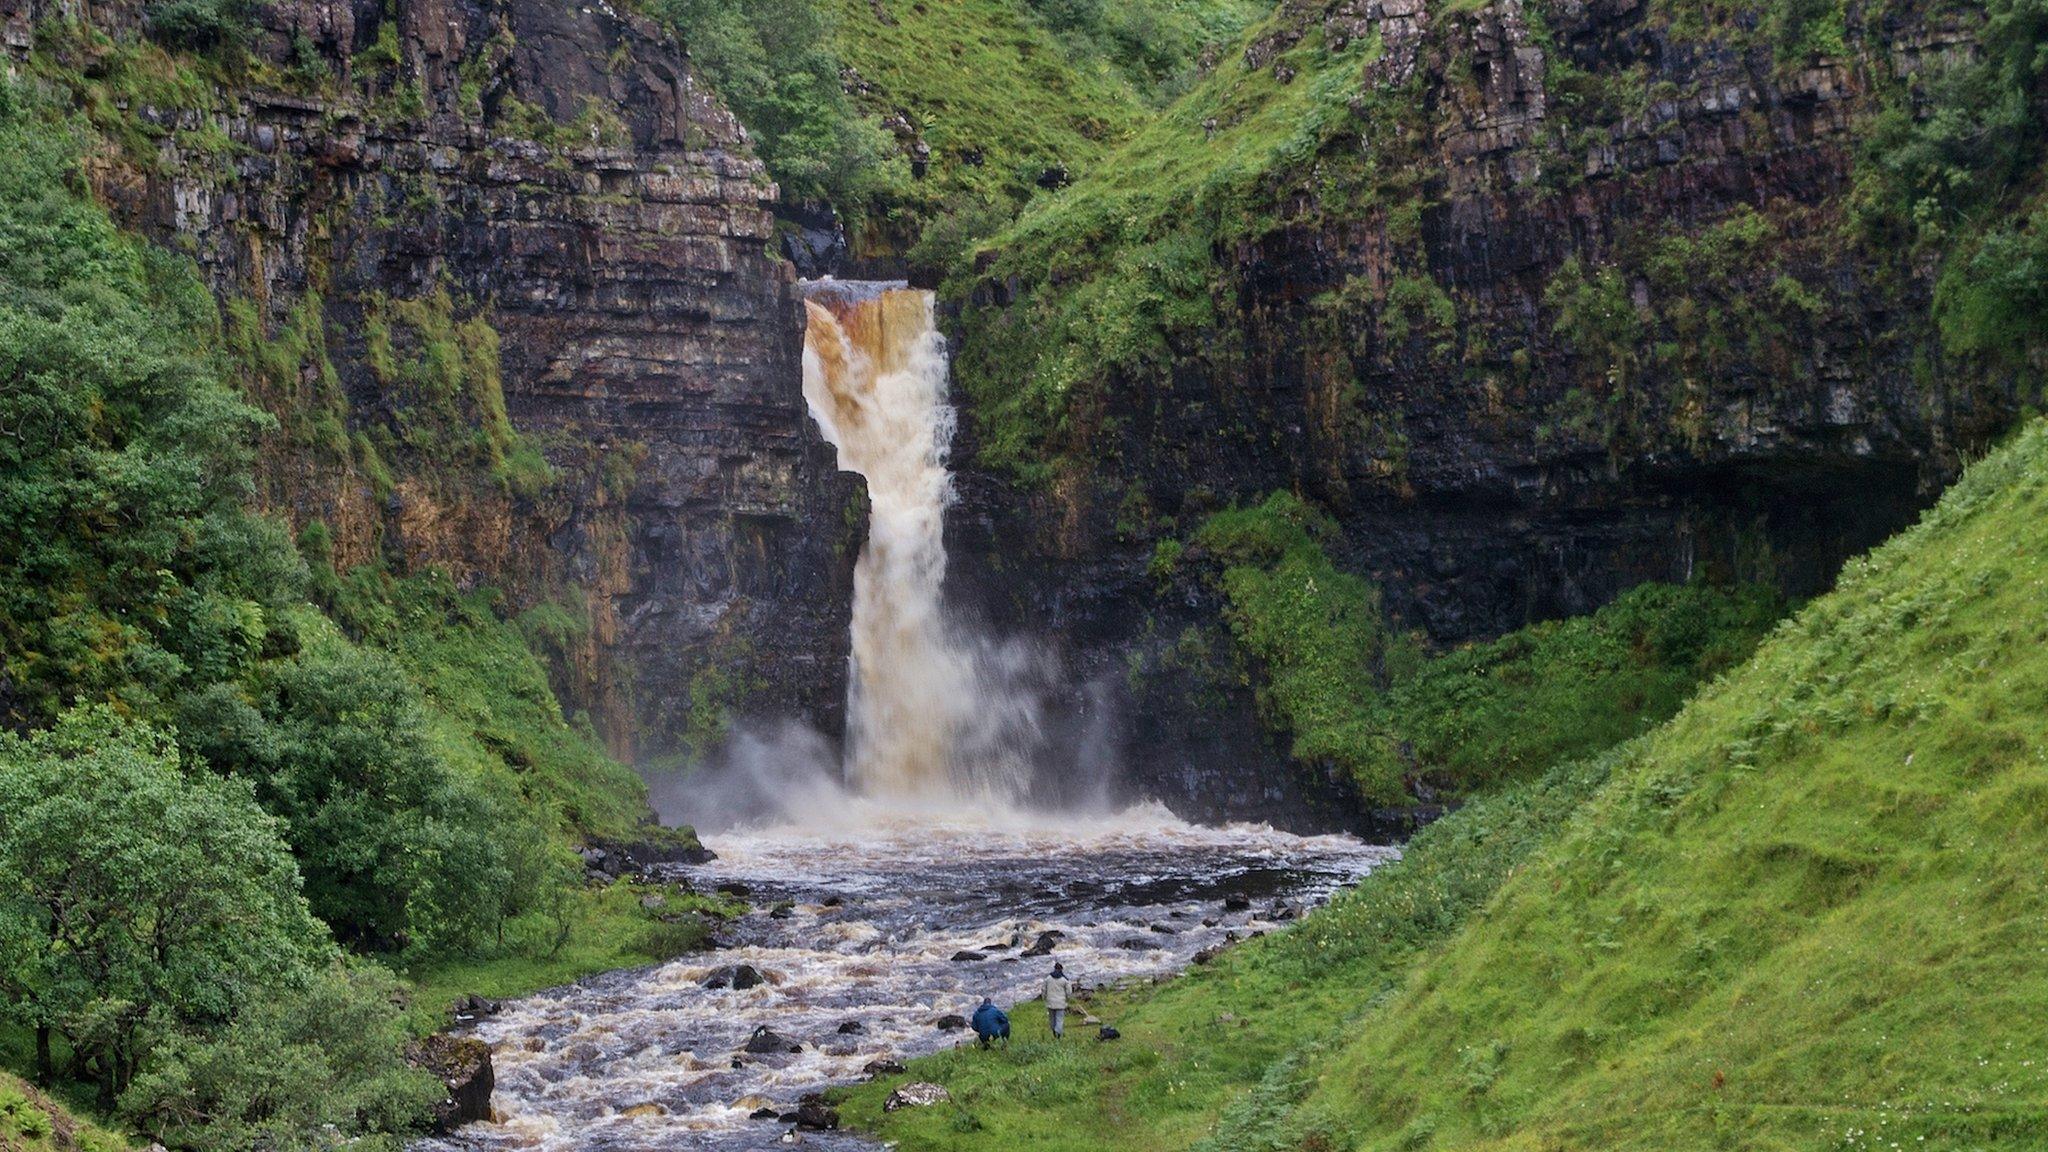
{"x":934,"y":716}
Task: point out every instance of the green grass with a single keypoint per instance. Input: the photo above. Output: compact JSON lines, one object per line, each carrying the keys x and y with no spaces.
{"x":491,"y":709}
{"x":1002,"y":93}
{"x":1806,"y":913}
{"x":32,"y":1122}
{"x":591,"y":930}
{"x":1354,"y":693}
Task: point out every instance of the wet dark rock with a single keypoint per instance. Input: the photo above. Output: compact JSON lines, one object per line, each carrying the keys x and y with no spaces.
{"x":735,"y":888}
{"x":816,"y":1115}
{"x":463,"y":1066}
{"x":738,"y":977}
{"x":852,"y":1028}
{"x":1139,"y":944}
{"x":1108,"y":1032}
{"x":884,"y":1066}
{"x":1206,"y":955}
{"x":1210,"y":922}
{"x":964,"y":957}
{"x":764,"y":1114}
{"x":951,"y":1022}
{"x":832,"y":902}
{"x":782,"y":911}
{"x":1165,"y":930}
{"x":1237,"y":902}
{"x":766,"y":1041}
{"x":1045,"y":943}
{"x":1283,"y":912}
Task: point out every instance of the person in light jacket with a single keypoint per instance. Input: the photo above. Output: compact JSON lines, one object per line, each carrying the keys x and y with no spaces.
{"x":1056,"y":990}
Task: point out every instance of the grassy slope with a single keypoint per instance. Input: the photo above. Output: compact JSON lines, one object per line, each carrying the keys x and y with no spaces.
{"x":1806,"y":913}
{"x":32,"y":1122}
{"x":988,"y":76}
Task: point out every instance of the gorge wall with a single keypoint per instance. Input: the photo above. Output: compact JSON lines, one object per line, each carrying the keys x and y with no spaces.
{"x":505,"y":272}
{"x":1542,"y":300}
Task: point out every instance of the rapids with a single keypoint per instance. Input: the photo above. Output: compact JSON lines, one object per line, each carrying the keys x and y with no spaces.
{"x":645,"y":1059}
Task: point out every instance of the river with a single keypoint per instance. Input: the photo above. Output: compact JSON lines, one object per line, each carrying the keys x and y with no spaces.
{"x":653,"y":1059}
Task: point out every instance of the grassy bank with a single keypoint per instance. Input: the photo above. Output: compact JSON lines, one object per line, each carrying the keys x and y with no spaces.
{"x":1805,"y":913}
{"x":585,"y":932}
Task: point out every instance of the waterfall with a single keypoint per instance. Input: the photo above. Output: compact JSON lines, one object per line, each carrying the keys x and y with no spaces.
{"x":935,"y":714}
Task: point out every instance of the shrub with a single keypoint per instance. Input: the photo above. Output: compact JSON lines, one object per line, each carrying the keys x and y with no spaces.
{"x":324,"y":1051}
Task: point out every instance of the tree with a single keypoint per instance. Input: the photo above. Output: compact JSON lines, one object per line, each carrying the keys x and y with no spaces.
{"x":135,"y":899}
{"x":394,"y":850}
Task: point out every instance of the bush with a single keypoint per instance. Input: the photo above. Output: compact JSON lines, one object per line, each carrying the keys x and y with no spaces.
{"x":199,"y":25}
{"x":327,"y":1051}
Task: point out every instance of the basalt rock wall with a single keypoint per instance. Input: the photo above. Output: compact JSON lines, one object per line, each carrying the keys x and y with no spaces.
{"x":464,"y":237}
{"x":1574,"y":300}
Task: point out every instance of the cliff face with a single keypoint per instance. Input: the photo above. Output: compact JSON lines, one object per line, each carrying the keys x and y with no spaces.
{"x":505,"y":272}
{"x":1564,"y":297}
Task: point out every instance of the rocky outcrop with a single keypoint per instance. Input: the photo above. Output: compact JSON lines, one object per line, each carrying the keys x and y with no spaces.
{"x":463,"y":1066}
{"x":546,"y":195}
{"x":1572,"y":301}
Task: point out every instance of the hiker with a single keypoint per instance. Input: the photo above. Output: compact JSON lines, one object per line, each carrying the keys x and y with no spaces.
{"x":1056,"y":990}
{"x":991,"y":1023}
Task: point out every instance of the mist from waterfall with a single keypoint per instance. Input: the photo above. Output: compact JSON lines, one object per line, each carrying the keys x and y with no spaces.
{"x":937,"y":715}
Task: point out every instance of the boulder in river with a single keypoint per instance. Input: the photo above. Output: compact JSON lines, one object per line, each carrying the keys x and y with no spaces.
{"x":951,"y":1022}
{"x":1045,"y":943}
{"x":852,"y":1028}
{"x":918,"y":1095}
{"x":813,"y":1113}
{"x":764,"y":1114}
{"x":766,"y":1040}
{"x":1139,"y":944}
{"x":738,"y":977}
{"x":463,"y":1065}
{"x":1237,"y":902}
{"x":883,"y":1066}
{"x":1166,"y":929}
{"x":965,"y":956}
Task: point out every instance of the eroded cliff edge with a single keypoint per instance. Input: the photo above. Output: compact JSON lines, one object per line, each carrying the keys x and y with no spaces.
{"x":504,"y":270}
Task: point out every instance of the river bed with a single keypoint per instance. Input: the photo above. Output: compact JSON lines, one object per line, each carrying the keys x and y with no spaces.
{"x":647,"y":1059}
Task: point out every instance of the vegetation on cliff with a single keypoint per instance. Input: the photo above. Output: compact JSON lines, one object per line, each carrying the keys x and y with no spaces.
{"x":1147,"y":265}
{"x":1355,"y":693}
{"x":237,"y":760}
{"x":1802,"y":913}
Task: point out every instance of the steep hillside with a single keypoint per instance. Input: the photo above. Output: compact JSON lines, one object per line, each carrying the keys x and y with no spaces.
{"x":1805,"y":913}
{"x":996,"y":100}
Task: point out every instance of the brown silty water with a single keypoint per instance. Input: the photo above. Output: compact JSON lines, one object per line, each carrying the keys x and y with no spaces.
{"x":914,"y":879}
{"x":653,"y":1059}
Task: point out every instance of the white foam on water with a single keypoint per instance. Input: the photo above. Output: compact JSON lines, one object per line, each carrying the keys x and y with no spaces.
{"x":644,"y":1059}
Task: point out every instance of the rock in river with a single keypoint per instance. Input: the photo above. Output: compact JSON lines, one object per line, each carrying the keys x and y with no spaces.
{"x":766,"y":1040}
{"x":463,"y":1065}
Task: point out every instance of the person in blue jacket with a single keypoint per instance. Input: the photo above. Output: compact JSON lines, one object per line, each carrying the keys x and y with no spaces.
{"x":991,"y":1023}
